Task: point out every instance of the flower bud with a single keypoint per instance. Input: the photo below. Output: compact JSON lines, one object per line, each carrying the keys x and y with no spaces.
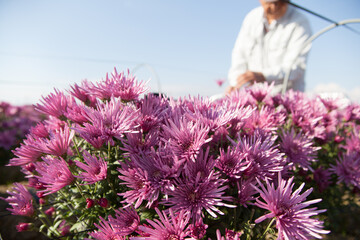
{"x":89,"y":203}
{"x":50,"y":211}
{"x":103,"y":202}
{"x":22,"y":227}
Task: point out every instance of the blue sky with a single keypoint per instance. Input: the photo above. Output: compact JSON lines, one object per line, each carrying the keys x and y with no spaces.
{"x":182,"y":46}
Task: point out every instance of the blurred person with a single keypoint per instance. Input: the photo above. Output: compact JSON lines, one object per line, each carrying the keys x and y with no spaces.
{"x":269,"y":41}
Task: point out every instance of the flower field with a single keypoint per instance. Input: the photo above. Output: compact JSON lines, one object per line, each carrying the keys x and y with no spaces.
{"x":112,"y":161}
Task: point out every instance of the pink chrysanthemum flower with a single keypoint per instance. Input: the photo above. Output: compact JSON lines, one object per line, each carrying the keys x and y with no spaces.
{"x":125,"y":222}
{"x":167,"y":228}
{"x":54,"y":104}
{"x":84,"y":93}
{"x":92,"y":134}
{"x":211,"y":114}
{"x":322,"y":178}
{"x":232,"y":162}
{"x":20,"y":200}
{"x":185,"y":137}
{"x":59,"y":142}
{"x":267,"y":119}
{"x":138,"y":183}
{"x":298,"y":148}
{"x":119,"y":85}
{"x":198,"y":229}
{"x":229,"y":235}
{"x":26,"y":153}
{"x":105,"y":231}
{"x":246,"y":192}
{"x":108,"y":120}
{"x":152,"y":111}
{"x":261,"y":92}
{"x":347,"y":169}
{"x":293,"y":219}
{"x":54,"y":174}
{"x":148,"y":175}
{"x":263,"y":156}
{"x":352,"y":144}
{"x":95,"y":169}
{"x":220,"y":81}
{"x":195,"y":195}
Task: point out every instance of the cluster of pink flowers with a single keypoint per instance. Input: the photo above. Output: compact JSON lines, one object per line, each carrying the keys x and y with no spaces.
{"x":112,"y":162}
{"x":15,"y":122}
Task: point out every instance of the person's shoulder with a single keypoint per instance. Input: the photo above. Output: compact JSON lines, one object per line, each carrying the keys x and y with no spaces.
{"x":255,"y":13}
{"x":298,"y":16}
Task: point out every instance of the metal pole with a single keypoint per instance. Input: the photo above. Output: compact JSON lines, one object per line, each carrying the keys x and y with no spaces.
{"x":309,"y":41}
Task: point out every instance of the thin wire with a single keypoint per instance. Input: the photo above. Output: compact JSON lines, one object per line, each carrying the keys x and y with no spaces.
{"x":321,"y":16}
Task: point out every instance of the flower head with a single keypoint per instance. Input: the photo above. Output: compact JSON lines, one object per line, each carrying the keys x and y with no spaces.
{"x":20,"y":200}
{"x":119,"y":85}
{"x":167,"y":228}
{"x":195,"y":195}
{"x":105,"y":231}
{"x":54,"y":174}
{"x":298,"y":148}
{"x":347,"y":169}
{"x":95,"y":169}
{"x":293,"y":219}
{"x":54,"y":104}
{"x":125,"y":222}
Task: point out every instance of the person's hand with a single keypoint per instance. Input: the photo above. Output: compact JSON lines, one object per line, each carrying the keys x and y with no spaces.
{"x":249,"y":77}
{"x":246,"y":78}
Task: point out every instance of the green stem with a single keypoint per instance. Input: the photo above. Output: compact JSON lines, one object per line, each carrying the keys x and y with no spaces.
{"x":76,"y":147}
{"x":267,"y":228}
{"x":47,"y":223}
{"x":80,"y":190}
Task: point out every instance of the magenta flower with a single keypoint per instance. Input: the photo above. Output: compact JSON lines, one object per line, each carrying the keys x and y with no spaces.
{"x":120,"y":86}
{"x":105,"y":231}
{"x":298,"y":149}
{"x":198,"y":229}
{"x":54,"y":174}
{"x":28,"y":152}
{"x":59,"y":142}
{"x":185,"y":137}
{"x":95,"y":169}
{"x":137,"y":181}
{"x":232,"y":162}
{"x":108,"y":120}
{"x":261,"y":92}
{"x":54,"y":104}
{"x":172,"y":227}
{"x":92,"y":134}
{"x":84,"y":93}
{"x":347,"y":169}
{"x":20,"y":200}
{"x":22,"y":227}
{"x":293,"y":219}
{"x":125,"y":222}
{"x":220,"y":81}
{"x":194,"y":196}
{"x":262,"y":154}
